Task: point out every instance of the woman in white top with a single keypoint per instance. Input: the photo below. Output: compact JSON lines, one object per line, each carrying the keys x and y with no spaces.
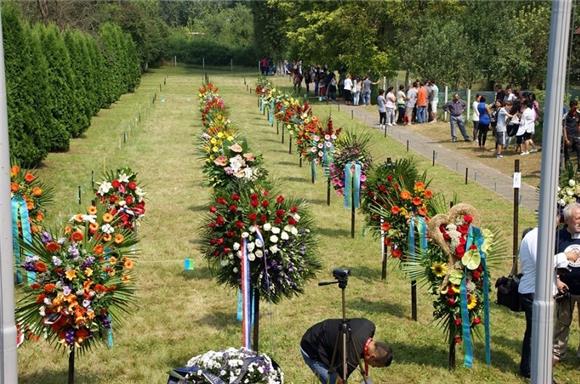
{"x":527,"y":126}
{"x":347,"y":87}
{"x":356,"y":88}
{"x":390,"y":105}
{"x":401,"y":99}
{"x":475,"y":117}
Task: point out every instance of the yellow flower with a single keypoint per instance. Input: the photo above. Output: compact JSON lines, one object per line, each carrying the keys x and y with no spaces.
{"x":119,"y":238}
{"x":220,"y":134}
{"x":230,"y":138}
{"x":213,"y":140}
{"x":71,"y":274}
{"x":215,"y":149}
{"x":125,"y":278}
{"x":113,"y":260}
{"x":88,"y":272}
{"x":471,"y":301}
{"x":439,"y":269}
{"x":107,"y":217}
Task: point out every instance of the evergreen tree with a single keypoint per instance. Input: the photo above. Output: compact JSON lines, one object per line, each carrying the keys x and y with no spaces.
{"x":79,"y":61}
{"x":111,"y":48}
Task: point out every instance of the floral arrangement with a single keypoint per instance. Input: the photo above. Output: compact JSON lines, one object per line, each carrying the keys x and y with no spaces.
{"x":458,"y":258}
{"x":229,"y":366}
{"x":396,"y":192}
{"x":36,"y":195}
{"x":228,"y":161}
{"x":277,"y":230}
{"x":122,"y":196}
{"x":83,"y":280}
{"x":206,"y":92}
{"x":350,"y":147}
{"x":569,"y":188}
{"x":320,"y":143}
{"x":213,"y":109}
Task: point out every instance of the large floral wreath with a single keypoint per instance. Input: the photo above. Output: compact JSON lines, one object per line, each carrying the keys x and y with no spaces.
{"x":350,"y":147}
{"x":277,"y":230}
{"x":83,"y":280}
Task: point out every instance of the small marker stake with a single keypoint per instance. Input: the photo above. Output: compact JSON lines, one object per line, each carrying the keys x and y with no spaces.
{"x":433,"y":158}
{"x":407,"y":145}
{"x":188,"y":264}
{"x":79,"y":195}
{"x":466,"y":174}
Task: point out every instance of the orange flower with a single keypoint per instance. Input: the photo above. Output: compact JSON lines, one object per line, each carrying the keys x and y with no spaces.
{"x":405,"y":195}
{"x":396,"y":253}
{"x":35,"y":228}
{"x":52,"y":247}
{"x":395,"y":210}
{"x":30,"y":205}
{"x":82,"y":334}
{"x":14,"y":187}
{"x":119,"y":238}
{"x":128,"y":264}
{"x":92,"y":210}
{"x":40,"y":267}
{"x":98,"y":249}
{"x":385,"y":226}
{"x":422,"y":211}
{"x":76,"y":236}
{"x":39,"y":216}
{"x":125,"y":278}
{"x":417,"y":201}
{"x":78,"y":217}
{"x":68,"y":230}
{"x":107,"y":218}
{"x":93,"y":227}
{"x":50,"y":287}
{"x":113,"y":260}
{"x":15,"y":170}
{"x":419,"y":186}
{"x":36,"y":191}
{"x":29,"y":177}
{"x":71,"y":274}
{"x":107,"y":237}
{"x":428,"y":194}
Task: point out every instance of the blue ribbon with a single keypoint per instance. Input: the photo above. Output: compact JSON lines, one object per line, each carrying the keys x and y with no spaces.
{"x":466,"y":326}
{"x":486,"y":321}
{"x":261,"y":104}
{"x":110,"y":332}
{"x":411,"y":237}
{"x":422,"y":230}
{"x":20,"y":212}
{"x":327,"y":158}
{"x":352,"y":184}
{"x":271,"y":112}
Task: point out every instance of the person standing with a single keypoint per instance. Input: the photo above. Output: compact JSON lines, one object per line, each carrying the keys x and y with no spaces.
{"x":526,"y":288}
{"x":456,"y":107}
{"x":382,"y":106}
{"x":318,"y":349}
{"x":433,"y":100}
{"x":411,"y":102}
{"x":390,"y":106}
{"x":347,"y":89}
{"x":401,"y":99}
{"x":484,"y":122}
{"x":356,"y":89}
{"x":527,"y":126}
{"x":572,"y":132}
{"x":500,"y":129}
{"x":422,"y":99}
{"x":568,"y":280}
{"x":475,"y":117}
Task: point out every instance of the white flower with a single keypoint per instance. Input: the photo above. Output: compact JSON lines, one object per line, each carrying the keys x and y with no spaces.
{"x":296,"y":217}
{"x":122,"y":203}
{"x":248,"y":173}
{"x":273,"y":239}
{"x":259,"y":243}
{"x":236,"y":246}
{"x":275,"y":230}
{"x":104,"y":188}
{"x":235,"y":270}
{"x":571,"y":182}
{"x":239,"y":254}
{"x":245,"y":235}
{"x":251,"y":247}
{"x":273,"y":248}
{"x":320,"y":145}
{"x":139,"y":192}
{"x":236,"y":163}
{"x":107,"y":228}
{"x":570,"y":192}
{"x":328,"y":144}
{"x":253,"y":228}
{"x":42,"y":311}
{"x":251,"y":256}
{"x":123,"y":178}
{"x":224,"y":262}
{"x":259,"y":253}
{"x":294,"y":230}
{"x":267,"y":226}
{"x":284,"y":236}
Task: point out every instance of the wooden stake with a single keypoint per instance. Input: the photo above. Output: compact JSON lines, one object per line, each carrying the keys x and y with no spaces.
{"x":466,"y":174}
{"x":71,"y":366}
{"x":414,"y":300}
{"x":516,"y":221}
{"x":328,"y":191}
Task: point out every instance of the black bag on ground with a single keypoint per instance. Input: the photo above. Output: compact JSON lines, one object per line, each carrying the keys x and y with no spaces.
{"x":507,"y":292}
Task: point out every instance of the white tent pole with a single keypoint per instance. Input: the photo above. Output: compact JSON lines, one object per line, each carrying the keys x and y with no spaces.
{"x":543,"y":308}
{"x":8,"y":365}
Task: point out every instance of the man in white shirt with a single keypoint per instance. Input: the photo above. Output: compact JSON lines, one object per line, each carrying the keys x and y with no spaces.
{"x":347,"y":86}
{"x":526,"y":288}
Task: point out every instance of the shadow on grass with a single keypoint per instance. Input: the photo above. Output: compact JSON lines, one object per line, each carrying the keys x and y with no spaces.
{"x":200,"y":272}
{"x":365,"y":273}
{"x":58,"y":377}
{"x":515,"y":344}
{"x":288,"y":163}
{"x":219,"y":320}
{"x":318,"y":201}
{"x":369,"y":306}
{"x":334,"y":232}
{"x":198,"y":208}
{"x":296,"y":179}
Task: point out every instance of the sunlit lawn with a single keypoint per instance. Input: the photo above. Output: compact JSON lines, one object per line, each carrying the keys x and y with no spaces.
{"x":184,"y":314}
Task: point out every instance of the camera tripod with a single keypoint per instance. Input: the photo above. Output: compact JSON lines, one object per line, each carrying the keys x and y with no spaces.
{"x":345,"y":332}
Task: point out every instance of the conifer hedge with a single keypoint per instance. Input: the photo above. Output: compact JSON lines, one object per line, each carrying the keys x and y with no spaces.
{"x":57,"y":80}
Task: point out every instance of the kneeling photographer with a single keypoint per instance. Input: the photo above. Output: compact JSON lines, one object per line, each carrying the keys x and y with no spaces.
{"x":334,"y":348}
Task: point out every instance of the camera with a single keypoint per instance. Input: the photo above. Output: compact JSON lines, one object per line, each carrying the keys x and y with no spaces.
{"x":340,"y":273}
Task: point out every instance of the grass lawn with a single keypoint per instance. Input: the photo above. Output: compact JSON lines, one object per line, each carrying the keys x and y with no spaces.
{"x":181,"y":314}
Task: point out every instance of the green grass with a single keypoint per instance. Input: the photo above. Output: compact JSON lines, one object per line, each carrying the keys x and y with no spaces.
{"x":184,"y":314}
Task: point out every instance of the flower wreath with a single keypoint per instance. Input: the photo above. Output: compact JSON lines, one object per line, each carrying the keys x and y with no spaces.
{"x":350,"y":148}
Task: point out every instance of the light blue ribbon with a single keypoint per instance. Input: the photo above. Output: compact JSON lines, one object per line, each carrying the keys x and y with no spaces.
{"x":327,"y":159}
{"x":352,"y":184}
{"x":240,"y":315}
{"x":466,"y":326}
{"x":422,"y":230}
{"x":261,"y":104}
{"x":271,"y":113}
{"x":313,"y":169}
{"x":110,"y":332}
{"x":20,"y":212}
{"x":478,"y":236}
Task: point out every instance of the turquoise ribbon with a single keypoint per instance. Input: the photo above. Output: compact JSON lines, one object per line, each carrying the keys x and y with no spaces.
{"x":419,"y":222}
{"x":486,"y":321}
{"x":352,"y":184}
{"x":110,"y":332}
{"x":313,"y":169}
{"x":411,"y":237}
{"x":239,"y":315}
{"x":20,"y":212}
{"x":261,"y":104}
{"x":466,"y":326}
{"x":327,"y":158}
{"x":271,"y":112}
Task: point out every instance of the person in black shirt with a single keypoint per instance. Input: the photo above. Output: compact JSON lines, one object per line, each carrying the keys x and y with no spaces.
{"x":571,"y":132}
{"x":319,"y":342}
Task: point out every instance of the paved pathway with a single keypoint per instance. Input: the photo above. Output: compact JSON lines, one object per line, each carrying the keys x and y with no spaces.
{"x":484,"y":175}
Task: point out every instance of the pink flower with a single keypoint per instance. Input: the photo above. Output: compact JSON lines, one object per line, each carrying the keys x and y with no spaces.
{"x":363,"y":178}
{"x":236,"y":148}
{"x":249,"y":156}
{"x":222,"y":161}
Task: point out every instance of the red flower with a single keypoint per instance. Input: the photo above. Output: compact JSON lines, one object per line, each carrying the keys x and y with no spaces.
{"x":221,"y":200}
{"x":280,"y":199}
{"x":280,"y":212}
{"x":40,"y":266}
{"x":129,"y":199}
{"x":382,"y":188}
{"x":235,"y":197}
{"x":230,"y":234}
{"x":220,"y":220}
{"x":428,"y":194}
{"x":116,"y":184}
{"x":265,"y":203}
{"x":40,"y":298}
{"x":396,"y":253}
{"x":113,"y":199}
{"x":233,"y":208}
{"x":239,"y":224}
{"x":49,"y":287}
{"x":254,"y":203}
{"x":132,"y":185}
{"x":388,"y":241}
{"x":417,"y":201}
{"x":263,"y":219}
{"x":476,"y":275}
{"x":457,"y":339}
{"x":76,"y":236}
{"x":294,"y":209}
{"x":460,"y":250}
{"x":476,"y":320}
{"x":277,"y":220}
{"x":291,"y":221}
{"x":252,"y":217}
{"x":254,"y":196}
{"x":422,"y":211}
{"x":395,"y":210}
{"x":35,"y":286}
{"x":52,"y":247}
{"x":468,"y":219}
{"x":389,"y":178}
{"x":457,"y":321}
{"x":451,"y":302}
{"x":385,"y":226}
